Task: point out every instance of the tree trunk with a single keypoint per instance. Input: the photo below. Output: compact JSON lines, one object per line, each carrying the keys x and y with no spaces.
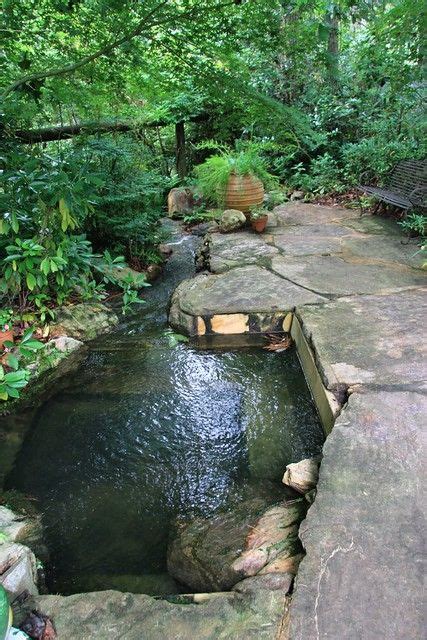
{"x":181,"y":162}
{"x":333,"y":46}
{"x":65,"y":132}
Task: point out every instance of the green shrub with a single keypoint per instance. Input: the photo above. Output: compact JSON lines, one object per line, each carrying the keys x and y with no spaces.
{"x":14,"y":375}
{"x":43,"y":261}
{"x":374,"y":158}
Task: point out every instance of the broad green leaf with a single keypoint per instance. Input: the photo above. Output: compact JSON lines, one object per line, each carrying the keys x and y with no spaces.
{"x":31,"y":281}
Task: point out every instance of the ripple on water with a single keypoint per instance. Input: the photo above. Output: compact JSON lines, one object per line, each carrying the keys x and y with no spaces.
{"x":145,"y":433}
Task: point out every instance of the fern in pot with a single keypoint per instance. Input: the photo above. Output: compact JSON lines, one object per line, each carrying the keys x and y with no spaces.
{"x":234,"y":179}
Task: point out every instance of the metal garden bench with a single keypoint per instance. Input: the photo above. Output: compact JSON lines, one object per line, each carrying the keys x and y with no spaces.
{"x":406,"y":187}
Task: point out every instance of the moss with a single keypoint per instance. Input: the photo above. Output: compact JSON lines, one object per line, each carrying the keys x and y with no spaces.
{"x":18,"y":502}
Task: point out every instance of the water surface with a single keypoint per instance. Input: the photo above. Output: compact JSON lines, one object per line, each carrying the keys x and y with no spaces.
{"x":146,"y":432}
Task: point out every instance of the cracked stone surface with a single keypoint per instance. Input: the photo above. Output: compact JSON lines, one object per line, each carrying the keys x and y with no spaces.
{"x":381,"y":249}
{"x":238,"y":249}
{"x":372,"y":225}
{"x":241,"y":290}
{"x":338,"y":276}
{"x":362,"y":577}
{"x":256,"y":613}
{"x":314,"y":239}
{"x":369,"y":339}
{"x":308,"y":253}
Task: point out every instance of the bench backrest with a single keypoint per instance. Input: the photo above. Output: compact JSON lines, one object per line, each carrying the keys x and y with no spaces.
{"x":407,"y":175}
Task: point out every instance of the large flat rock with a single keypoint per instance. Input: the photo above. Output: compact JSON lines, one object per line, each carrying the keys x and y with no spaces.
{"x":372,"y":225}
{"x":362,"y":578}
{"x":383,"y":249}
{"x":238,"y":249}
{"x":255,"y":613}
{"x":296,"y":213}
{"x":241,"y":290}
{"x":311,"y":239}
{"x":338,"y":276}
{"x":369,"y":339}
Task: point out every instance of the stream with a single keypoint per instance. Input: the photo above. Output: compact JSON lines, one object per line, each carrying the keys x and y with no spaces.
{"x":149,"y":430}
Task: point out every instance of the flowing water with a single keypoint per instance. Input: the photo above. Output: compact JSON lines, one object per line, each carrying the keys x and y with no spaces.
{"x":147,"y":431}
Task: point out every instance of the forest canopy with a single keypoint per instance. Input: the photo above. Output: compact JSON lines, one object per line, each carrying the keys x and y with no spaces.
{"x":107,"y":104}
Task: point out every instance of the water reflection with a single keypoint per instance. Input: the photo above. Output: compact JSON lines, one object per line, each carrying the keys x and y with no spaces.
{"x":145,"y":433}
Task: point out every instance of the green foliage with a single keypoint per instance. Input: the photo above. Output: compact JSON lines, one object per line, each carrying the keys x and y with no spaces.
{"x":257,"y":213}
{"x":415,"y":224}
{"x":372,"y":159}
{"x":200,"y":214}
{"x":129,"y":201}
{"x":16,"y":376}
{"x":46,"y":200}
{"x":6,"y":319}
{"x":174,"y":339}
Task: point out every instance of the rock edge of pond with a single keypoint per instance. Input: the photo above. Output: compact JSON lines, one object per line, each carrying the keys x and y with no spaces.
{"x":361,"y":576}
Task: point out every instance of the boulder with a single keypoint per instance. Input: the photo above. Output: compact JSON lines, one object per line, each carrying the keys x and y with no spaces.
{"x":297,"y":195}
{"x":165,"y":250}
{"x":18,"y":571}
{"x":181,"y":200}
{"x":64,"y":344}
{"x":252,"y":615}
{"x":302,"y":476}
{"x":231,"y":220}
{"x":214,"y":554}
{"x":203,"y":228}
{"x":27,"y":530}
{"x":153,"y":272}
{"x":271,"y":582}
{"x":84,"y":321}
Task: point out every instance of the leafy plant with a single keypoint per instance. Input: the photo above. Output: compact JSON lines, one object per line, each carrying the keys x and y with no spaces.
{"x":12,"y":382}
{"x":415,"y":224}
{"x":213,"y":175}
{"x":257,"y":213}
{"x":175,"y":338}
{"x":6,"y":319}
{"x":201,"y":215}
{"x":16,"y":377}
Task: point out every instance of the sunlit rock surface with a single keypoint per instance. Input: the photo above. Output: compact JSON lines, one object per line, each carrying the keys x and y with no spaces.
{"x":257,"y":614}
{"x":362,"y":576}
{"x":213,"y":554}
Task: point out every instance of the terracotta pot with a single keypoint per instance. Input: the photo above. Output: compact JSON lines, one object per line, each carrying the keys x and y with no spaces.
{"x":259,"y":224}
{"x":5,"y":336}
{"x":243,"y":192}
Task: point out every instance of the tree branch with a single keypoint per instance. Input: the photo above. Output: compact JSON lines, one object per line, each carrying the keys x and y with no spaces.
{"x":140,"y":28}
{"x":50,"y":134}
{"x":70,"y":68}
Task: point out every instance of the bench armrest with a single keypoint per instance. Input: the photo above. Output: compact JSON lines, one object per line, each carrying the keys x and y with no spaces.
{"x":418,"y":197}
{"x":364,"y":178}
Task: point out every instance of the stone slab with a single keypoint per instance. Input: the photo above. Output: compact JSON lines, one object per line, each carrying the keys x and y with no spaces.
{"x":369,"y":339}
{"x":299,"y":213}
{"x":311,"y":239}
{"x":238,"y":249}
{"x":250,"y":289}
{"x":380,"y":249}
{"x":362,"y":577}
{"x":372,"y":225}
{"x":253,"y":614}
{"x":335,"y":275}
{"x":326,"y":403}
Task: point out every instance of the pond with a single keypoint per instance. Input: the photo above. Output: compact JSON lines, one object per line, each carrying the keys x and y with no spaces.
{"x":149,"y":430}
